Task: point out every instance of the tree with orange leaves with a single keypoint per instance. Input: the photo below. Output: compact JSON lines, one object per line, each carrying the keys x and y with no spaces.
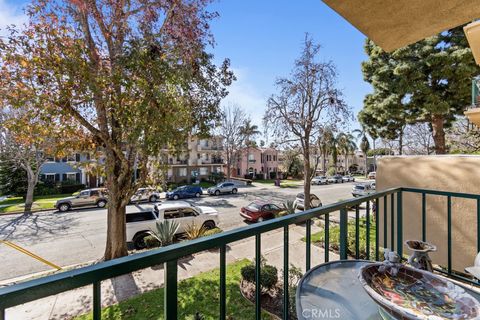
{"x":135,"y":74}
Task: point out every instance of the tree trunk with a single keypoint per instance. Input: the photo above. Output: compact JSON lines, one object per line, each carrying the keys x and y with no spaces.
{"x":366,"y":169}
{"x":346,"y":164}
{"x":116,"y":231}
{"x":438,"y":133}
{"x":229,"y":165}
{"x":400,"y":144}
{"x":306,"y":180}
{"x":118,"y":188}
{"x":324,"y":164}
{"x":30,"y":188}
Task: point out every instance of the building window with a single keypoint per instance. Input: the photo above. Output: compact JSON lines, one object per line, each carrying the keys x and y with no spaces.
{"x":182,"y":172}
{"x":203,"y":171}
{"x":251,"y":157}
{"x":50,"y":177}
{"x":71,"y":176}
{"x":274,"y":158}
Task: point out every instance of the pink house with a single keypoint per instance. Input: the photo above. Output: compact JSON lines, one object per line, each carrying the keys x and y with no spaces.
{"x":257,"y":163}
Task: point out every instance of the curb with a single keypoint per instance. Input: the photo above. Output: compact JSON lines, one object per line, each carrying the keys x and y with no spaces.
{"x":21,"y":212}
{"x":31,"y":276}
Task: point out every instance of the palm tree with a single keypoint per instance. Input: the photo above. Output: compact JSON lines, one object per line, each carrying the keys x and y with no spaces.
{"x":347,"y":145}
{"x":364,"y":145}
{"x":249,"y":131}
{"x":324,"y":145}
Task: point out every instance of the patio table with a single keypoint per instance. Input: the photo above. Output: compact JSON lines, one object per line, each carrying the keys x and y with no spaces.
{"x":333,"y":291}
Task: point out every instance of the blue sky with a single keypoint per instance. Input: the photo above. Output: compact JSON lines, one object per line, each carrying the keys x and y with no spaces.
{"x":262,"y":38}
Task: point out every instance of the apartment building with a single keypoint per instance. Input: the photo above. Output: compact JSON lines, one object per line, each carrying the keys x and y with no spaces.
{"x":201,"y":158}
{"x":257,"y":163}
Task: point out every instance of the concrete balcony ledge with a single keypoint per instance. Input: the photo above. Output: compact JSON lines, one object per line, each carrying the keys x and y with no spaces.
{"x":473,"y":115}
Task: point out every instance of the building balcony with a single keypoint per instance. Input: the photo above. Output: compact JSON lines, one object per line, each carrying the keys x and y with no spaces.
{"x":252,"y":161}
{"x":382,"y":225}
{"x":209,"y":147}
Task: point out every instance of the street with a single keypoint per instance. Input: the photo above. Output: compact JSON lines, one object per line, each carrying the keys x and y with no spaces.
{"x":78,"y":236}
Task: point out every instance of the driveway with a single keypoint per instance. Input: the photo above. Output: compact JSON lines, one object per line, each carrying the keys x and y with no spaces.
{"x":78,"y":236}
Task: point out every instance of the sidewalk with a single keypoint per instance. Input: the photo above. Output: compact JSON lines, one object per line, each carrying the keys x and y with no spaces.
{"x":79,"y":301}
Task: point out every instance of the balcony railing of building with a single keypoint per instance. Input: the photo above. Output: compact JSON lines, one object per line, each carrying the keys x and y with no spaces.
{"x":209,"y":147}
{"x":252,"y":160}
{"x":168,"y":256}
{"x":475,"y":93}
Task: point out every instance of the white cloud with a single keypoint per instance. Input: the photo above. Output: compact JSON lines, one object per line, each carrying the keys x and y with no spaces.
{"x":244,"y":93}
{"x":10,"y":13}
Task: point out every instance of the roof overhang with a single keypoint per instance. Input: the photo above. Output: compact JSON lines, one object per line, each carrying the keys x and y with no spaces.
{"x":393,"y":24}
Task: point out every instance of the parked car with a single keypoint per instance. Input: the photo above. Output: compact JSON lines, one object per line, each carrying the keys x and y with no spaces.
{"x":140,"y":224}
{"x":299,"y":202}
{"x":372,"y":175}
{"x":348,"y":179}
{"x":258,"y":211}
{"x":145,"y":194}
{"x":362,"y":189}
{"x":223,"y":187}
{"x":335,"y":179}
{"x":185,"y":192}
{"x":96,"y":197}
{"x":319,"y":180}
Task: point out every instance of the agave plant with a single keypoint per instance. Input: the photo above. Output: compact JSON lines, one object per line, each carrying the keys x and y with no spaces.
{"x":166,"y":230}
{"x":289,"y":207}
{"x":193,"y":231}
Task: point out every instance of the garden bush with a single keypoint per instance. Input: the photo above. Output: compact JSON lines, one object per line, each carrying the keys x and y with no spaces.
{"x":151,"y":242}
{"x":70,"y":188}
{"x":268,"y":275}
{"x":212,"y":231}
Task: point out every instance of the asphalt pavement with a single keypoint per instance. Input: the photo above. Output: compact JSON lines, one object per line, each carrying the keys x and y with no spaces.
{"x":78,"y":236}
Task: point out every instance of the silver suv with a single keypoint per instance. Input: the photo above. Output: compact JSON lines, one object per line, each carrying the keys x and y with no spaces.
{"x":85,"y":198}
{"x":224,"y":187}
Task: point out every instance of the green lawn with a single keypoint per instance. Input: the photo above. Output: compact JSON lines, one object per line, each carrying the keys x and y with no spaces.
{"x":196,"y":294}
{"x":41,"y":202}
{"x":318,"y":238}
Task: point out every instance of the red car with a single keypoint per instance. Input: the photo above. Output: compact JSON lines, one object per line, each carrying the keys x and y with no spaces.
{"x":257,"y":211}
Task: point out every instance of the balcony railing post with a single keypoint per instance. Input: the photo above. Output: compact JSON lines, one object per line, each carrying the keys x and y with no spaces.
{"x":478,"y":225}
{"x":223,"y":284}
{"x":308,"y":246}
{"x":97,"y":300}
{"x":424,"y":217}
{"x":343,"y":233}
{"x":285,"y":272}
{"x":392,"y":220}
{"x":258,"y":255}
{"x":377,"y":227}
{"x":327,"y":238}
{"x":399,"y":224}
{"x":449,"y":234}
{"x":357,"y":232}
{"x":385,"y":227}
{"x":170,"y":304}
{"x":367,"y":236}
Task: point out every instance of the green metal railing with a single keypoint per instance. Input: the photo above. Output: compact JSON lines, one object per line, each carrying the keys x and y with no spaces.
{"x":169,"y":256}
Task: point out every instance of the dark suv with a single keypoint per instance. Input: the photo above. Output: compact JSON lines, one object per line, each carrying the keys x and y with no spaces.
{"x":185,"y":192}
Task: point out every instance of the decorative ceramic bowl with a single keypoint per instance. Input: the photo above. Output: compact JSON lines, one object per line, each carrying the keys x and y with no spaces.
{"x":417,"y":294}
